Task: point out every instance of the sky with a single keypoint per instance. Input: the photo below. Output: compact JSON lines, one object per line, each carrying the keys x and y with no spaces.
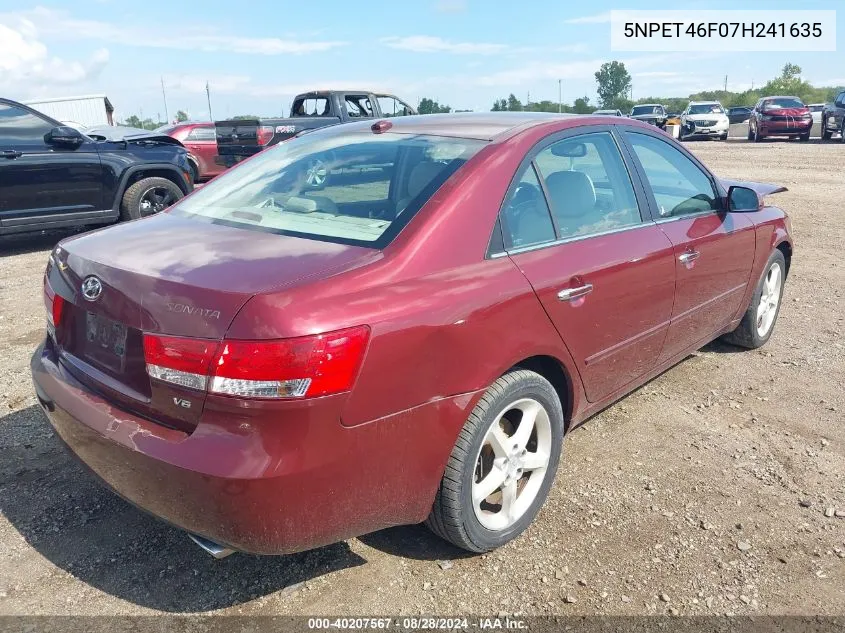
{"x":257,"y":54}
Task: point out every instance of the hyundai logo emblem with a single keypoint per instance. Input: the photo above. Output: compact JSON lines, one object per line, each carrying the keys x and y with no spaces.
{"x":92,"y":288}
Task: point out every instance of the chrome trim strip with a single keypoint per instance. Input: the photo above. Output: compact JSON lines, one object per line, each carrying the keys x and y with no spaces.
{"x":573,"y":238}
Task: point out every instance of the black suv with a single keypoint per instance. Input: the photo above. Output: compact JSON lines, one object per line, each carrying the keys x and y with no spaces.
{"x":53,"y":176}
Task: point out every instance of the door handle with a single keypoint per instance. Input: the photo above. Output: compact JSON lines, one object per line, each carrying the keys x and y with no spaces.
{"x":573,"y":293}
{"x":689,"y":256}
{"x":9,"y":153}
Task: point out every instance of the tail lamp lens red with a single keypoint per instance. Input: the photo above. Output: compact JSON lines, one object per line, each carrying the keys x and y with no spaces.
{"x":264,"y":134}
{"x":54,"y":304}
{"x":302,"y":367}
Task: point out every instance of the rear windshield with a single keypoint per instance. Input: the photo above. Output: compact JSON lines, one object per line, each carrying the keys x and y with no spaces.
{"x":352,"y":189}
{"x":645,"y":110}
{"x":785,"y":102}
{"x":706,"y":108}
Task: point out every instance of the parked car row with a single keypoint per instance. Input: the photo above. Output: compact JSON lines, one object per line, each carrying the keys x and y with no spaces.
{"x":783,"y":116}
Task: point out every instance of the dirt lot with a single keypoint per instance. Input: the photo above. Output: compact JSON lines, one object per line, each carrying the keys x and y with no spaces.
{"x":715,"y":488}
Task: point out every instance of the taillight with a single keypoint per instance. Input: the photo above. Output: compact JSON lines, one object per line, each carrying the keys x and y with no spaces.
{"x":302,"y":367}
{"x":54,"y":304}
{"x":181,"y":361}
{"x":264,"y":134}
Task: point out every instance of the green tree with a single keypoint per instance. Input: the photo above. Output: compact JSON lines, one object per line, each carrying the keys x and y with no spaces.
{"x":582,"y":105}
{"x":614,"y":83}
{"x":514,"y":104}
{"x":430,"y":106}
{"x":181,"y":115}
{"x":133,"y":121}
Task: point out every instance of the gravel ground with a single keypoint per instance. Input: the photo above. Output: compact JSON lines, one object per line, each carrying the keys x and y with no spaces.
{"x":717,"y":488}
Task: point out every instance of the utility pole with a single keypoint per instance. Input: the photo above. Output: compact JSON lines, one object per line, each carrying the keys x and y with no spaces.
{"x":527,"y":100}
{"x":208,"y":96}
{"x":559,"y":96}
{"x":726,"y":83}
{"x":164,"y":96}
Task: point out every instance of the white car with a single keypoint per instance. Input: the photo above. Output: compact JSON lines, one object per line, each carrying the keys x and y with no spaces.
{"x":816,"y":111}
{"x":705,"y":118}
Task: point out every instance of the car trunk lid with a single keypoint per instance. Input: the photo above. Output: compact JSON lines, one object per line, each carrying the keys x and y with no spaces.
{"x":172,"y":276}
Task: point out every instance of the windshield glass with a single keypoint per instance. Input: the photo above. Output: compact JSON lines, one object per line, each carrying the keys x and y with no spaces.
{"x":645,"y":110}
{"x":783,"y":102}
{"x":356,"y":189}
{"x":706,"y":108}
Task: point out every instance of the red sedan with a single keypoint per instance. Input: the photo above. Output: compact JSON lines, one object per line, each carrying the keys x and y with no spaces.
{"x":274,"y":368}
{"x":200,"y":139}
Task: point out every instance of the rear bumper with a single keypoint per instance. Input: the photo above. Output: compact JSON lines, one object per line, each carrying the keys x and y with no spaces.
{"x":267,"y":480}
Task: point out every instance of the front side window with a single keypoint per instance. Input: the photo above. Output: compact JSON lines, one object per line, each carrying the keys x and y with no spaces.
{"x":680,"y":187}
{"x":357,"y":189}
{"x":21,"y":127}
{"x":589,"y":187}
{"x":391,"y":106}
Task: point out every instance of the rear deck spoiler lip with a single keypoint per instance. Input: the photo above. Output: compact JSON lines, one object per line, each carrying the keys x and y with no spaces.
{"x":761,"y":188}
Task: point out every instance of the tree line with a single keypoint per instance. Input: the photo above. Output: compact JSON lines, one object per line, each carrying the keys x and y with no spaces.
{"x":613,"y":87}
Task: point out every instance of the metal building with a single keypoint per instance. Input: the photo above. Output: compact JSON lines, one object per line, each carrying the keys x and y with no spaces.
{"x":82,"y":111}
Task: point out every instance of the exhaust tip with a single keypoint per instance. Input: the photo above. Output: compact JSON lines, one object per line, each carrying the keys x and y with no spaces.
{"x":210,"y":547}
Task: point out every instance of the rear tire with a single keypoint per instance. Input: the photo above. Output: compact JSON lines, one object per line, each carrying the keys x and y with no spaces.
{"x":494,"y":448}
{"x":149,"y":196}
{"x":759,"y":320}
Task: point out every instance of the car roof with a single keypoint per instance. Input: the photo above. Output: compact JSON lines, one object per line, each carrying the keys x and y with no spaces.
{"x":781,"y":97}
{"x":704,"y":103}
{"x":478,"y":125}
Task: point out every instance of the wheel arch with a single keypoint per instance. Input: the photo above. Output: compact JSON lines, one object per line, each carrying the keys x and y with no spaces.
{"x":553,"y":370}
{"x":139,"y":172}
{"x":786,"y":248}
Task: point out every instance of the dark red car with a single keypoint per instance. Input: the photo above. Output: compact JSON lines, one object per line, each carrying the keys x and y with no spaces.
{"x":780,"y":116}
{"x":275,"y":368}
{"x":200,"y":139}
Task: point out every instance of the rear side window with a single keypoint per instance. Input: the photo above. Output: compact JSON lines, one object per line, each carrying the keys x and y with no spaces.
{"x":314,"y":106}
{"x":589,"y":187}
{"x":352,"y":189}
{"x":679,"y":186}
{"x":21,"y":127}
{"x":201,"y":134}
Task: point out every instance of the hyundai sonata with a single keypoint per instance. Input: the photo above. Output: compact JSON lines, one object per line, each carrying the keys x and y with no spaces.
{"x":274,"y":368}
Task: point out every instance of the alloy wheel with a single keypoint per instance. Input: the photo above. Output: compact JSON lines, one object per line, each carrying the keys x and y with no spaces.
{"x":156,"y":199}
{"x":511,"y":464}
{"x":316,"y":173}
{"x":767,"y":308}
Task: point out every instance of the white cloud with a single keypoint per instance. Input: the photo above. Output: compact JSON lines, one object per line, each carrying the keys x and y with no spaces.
{"x":598,"y":18}
{"x":27,"y":68}
{"x":61,"y":25}
{"x":433,"y":44}
{"x":451,"y":6}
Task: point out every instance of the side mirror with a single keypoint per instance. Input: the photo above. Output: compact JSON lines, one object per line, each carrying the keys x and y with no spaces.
{"x":743,"y":199}
{"x":64,"y":136}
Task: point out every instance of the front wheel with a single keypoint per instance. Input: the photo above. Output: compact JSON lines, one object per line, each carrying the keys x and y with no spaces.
{"x":842,"y":131}
{"x":826,"y":134}
{"x":502,"y":465}
{"x":759,"y":320}
{"x":148,"y":197}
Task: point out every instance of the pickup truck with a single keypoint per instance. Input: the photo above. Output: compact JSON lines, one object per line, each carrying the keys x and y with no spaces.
{"x":833,"y":118}
{"x":238,"y":139}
